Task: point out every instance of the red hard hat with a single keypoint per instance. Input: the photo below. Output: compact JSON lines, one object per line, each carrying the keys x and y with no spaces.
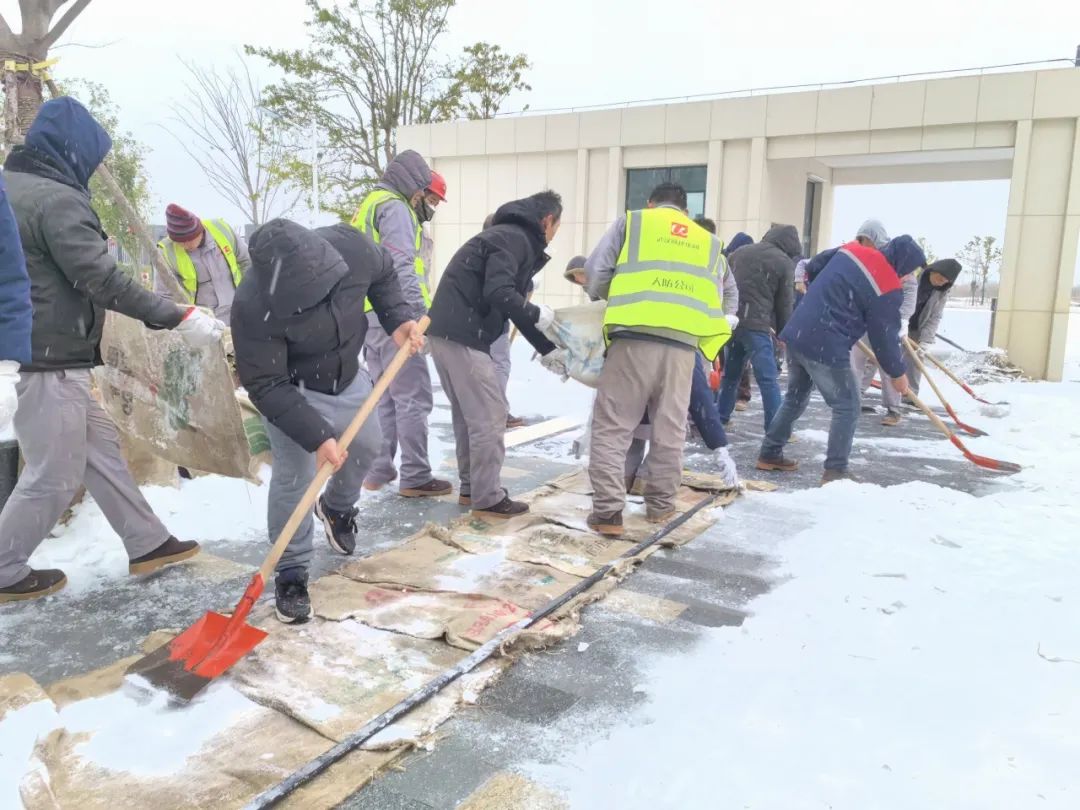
{"x":437,"y":186}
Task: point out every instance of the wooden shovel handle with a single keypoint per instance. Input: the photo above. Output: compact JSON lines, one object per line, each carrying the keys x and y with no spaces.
{"x":922,"y":406}
{"x":914,"y":350}
{"x":324,"y":472}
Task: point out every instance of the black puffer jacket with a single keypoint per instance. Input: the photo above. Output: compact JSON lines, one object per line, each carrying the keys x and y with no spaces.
{"x":487,"y":280}
{"x":765,"y":275}
{"x":297,"y":319}
{"x":73,"y":279}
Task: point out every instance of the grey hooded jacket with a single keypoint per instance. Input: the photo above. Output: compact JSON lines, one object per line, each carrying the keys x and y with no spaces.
{"x":396,"y":223}
{"x":765,"y":275}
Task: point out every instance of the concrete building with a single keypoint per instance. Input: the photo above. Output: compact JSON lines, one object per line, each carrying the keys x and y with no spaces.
{"x":750,"y":161}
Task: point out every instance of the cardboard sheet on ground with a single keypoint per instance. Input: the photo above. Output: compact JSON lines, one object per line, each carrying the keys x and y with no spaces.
{"x":171,"y":400}
{"x":334,"y":676}
{"x":532,"y":539}
{"x":465,"y":620}
{"x":426,"y":563}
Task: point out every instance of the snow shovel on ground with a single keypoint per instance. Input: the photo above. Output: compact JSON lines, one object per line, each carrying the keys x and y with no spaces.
{"x":967,"y":388}
{"x":187,"y":664}
{"x":914,"y":350}
{"x":982,"y":461}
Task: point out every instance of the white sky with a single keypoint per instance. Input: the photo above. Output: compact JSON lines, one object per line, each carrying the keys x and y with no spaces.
{"x":605,"y":51}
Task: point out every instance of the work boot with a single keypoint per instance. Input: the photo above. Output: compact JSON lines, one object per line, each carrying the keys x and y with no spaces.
{"x":637,"y":488}
{"x":778,"y":464}
{"x":659,"y":517}
{"x":503,"y":510}
{"x":34,"y":585}
{"x":514,"y":422}
{"x":608,"y":524}
{"x":891,"y":418}
{"x":291,"y":601}
{"x":464,"y":500}
{"x":432,"y":489}
{"x":836,"y":475}
{"x":169,"y":552}
{"x":375,"y":486}
{"x":340,"y":526}
{"x":741,"y":405}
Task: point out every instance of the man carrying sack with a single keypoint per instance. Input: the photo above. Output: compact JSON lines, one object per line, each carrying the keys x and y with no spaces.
{"x":66,"y":437}
{"x":298,"y":331}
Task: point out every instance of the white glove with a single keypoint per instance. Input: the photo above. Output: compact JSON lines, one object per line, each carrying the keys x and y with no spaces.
{"x":9,"y":397}
{"x":727,"y":467}
{"x":546,"y":319}
{"x":199,"y":329}
{"x":555,"y":362}
{"x":733,"y":321}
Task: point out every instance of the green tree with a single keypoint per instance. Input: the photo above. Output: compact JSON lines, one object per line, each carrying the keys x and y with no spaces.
{"x":126,"y":161}
{"x":371,"y":66}
{"x":982,"y":256}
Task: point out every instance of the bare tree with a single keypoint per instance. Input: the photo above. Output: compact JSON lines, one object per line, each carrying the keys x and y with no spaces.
{"x":236,"y":141}
{"x":19,"y":53}
{"x":982,"y":256}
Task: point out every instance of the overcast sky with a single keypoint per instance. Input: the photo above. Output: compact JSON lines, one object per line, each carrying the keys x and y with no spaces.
{"x":605,"y":51}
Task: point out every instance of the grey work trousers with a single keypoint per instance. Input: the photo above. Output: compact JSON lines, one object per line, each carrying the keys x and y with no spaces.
{"x":294,"y":467}
{"x":478,"y":412}
{"x":403,"y":411}
{"x":500,"y":356}
{"x":640,"y":376}
{"x":865,"y":369}
{"x":68,"y":440}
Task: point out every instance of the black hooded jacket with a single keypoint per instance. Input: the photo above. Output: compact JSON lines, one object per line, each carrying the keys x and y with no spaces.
{"x":298,"y":319}
{"x":765,"y":275}
{"x":487,"y":280}
{"x":73,"y":279}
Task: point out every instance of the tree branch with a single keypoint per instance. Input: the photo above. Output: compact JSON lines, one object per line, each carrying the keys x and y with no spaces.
{"x":62,"y":25}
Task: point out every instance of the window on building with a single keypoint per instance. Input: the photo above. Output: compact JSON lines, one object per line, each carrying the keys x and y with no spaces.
{"x":641,"y":182}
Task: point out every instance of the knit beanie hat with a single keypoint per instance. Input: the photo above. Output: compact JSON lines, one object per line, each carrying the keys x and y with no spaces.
{"x":181,"y":224}
{"x":576,"y":263}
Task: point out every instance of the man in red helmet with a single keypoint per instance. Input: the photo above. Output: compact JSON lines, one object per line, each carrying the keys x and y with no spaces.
{"x":393,"y":214}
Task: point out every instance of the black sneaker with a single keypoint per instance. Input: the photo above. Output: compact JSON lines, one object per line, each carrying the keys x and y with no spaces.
{"x":292,"y":603}
{"x":169,"y":552}
{"x":34,"y":585}
{"x":340,"y":527}
{"x":503,"y":510}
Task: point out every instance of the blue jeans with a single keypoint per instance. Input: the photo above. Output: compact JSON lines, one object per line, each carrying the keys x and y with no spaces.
{"x":840,"y":392}
{"x":757,"y":347}
{"x":703,"y":411}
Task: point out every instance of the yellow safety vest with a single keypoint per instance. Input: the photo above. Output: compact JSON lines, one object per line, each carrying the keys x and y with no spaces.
{"x":180,"y":263}
{"x":667,"y":278}
{"x":364,"y":221}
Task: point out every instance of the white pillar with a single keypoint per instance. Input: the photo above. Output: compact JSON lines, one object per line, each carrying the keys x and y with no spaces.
{"x":581,"y":200}
{"x":714,"y":173}
{"x":1041,"y":234}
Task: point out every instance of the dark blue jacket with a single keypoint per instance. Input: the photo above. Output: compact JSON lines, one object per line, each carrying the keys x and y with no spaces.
{"x":856,"y":293}
{"x":16,"y":316}
{"x":737,"y":241}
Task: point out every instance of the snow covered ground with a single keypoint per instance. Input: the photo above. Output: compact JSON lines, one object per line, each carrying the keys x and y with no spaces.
{"x":923,"y":652}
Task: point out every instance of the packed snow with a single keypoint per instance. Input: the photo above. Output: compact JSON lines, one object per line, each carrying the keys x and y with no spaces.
{"x":921,"y":650}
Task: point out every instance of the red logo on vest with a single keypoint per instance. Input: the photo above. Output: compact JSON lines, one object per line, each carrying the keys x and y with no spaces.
{"x":680,"y":230}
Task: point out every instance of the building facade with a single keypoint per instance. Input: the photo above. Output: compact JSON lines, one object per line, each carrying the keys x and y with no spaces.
{"x":752,"y":161}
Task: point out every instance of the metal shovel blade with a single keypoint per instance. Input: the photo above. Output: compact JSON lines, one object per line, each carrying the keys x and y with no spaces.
{"x":187,"y":664}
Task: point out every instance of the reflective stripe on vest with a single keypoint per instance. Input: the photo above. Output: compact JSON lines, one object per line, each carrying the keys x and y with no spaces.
{"x":364,"y":221}
{"x":180,"y":262}
{"x":667,"y":278}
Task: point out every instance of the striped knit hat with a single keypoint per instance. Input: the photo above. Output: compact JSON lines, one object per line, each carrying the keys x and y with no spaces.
{"x":181,"y":224}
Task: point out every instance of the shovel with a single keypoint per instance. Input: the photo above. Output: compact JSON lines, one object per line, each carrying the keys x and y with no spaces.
{"x":914,"y":350}
{"x":982,"y":461}
{"x":187,"y":664}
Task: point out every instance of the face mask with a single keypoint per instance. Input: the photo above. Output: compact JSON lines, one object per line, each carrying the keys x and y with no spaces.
{"x":425,"y":212}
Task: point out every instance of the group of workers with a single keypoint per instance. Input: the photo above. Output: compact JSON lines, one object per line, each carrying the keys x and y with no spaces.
{"x":318,"y":314}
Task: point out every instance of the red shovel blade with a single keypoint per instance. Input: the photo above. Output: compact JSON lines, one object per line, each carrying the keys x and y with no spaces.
{"x":188,"y":663}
